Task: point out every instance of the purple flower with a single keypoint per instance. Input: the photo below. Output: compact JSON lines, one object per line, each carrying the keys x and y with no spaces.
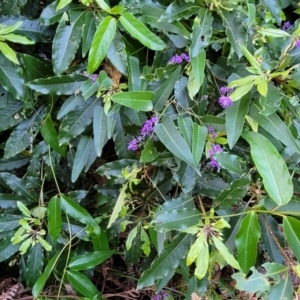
{"x":214,"y":164}
{"x":286,"y":26}
{"x":178,"y":59}
{"x":211,"y":152}
{"x":217,"y":148}
{"x":223,"y":90}
{"x":297,"y":43}
{"x":134,"y":145}
{"x":212,"y":132}
{"x":94,"y":77}
{"x":225,"y":101}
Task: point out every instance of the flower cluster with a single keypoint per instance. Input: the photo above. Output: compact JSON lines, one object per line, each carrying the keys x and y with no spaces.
{"x":215,"y":148}
{"x":286,"y":26}
{"x":93,"y":77}
{"x":160,"y":296}
{"x":178,"y":59}
{"x":225,"y":100}
{"x":297,"y":43}
{"x":145,"y":131}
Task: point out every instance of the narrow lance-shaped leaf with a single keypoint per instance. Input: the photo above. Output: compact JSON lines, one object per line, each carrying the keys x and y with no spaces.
{"x":198,"y":141}
{"x":271,"y":166}
{"x":54,"y":218}
{"x":291,"y":229}
{"x":139,"y":31}
{"x":247,"y":240}
{"x":66,"y":40}
{"x":202,"y":32}
{"x":137,"y":100}
{"x":101,"y":41}
{"x":235,"y":118}
{"x":174,"y":142}
{"x":168,"y":260}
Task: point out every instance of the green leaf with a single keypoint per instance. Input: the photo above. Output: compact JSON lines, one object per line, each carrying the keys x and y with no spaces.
{"x":76,"y":211}
{"x":164,"y":90}
{"x":89,"y":260}
{"x":50,"y":135}
{"x":34,"y":264}
{"x":5,"y":29}
{"x":139,"y":31}
{"x":54,"y":218}
{"x":58,"y":85}
{"x":247,"y":241}
{"x":185,"y":127}
{"x":275,"y":10}
{"x":88,"y":32}
{"x":251,"y":59}
{"x":241,"y":91}
{"x":18,"y":186}
{"x":25,"y":132}
{"x":200,"y":37}
{"x":99,"y":128}
{"x":35,"y":68}
{"x":77,"y":120}
{"x":101,"y":41}
{"x":18,"y":39}
{"x":137,"y":100}
{"x":9,"y":222}
{"x":223,"y":250}
{"x":262,"y":87}
{"x":235,"y":118}
{"x":235,"y":31}
{"x":291,"y":231}
{"x":198,"y":66}
{"x":10,"y":78}
{"x":81,"y":157}
{"x":202,"y":261}
{"x":62,"y":3}
{"x":269,"y":229}
{"x":275,"y":126}
{"x":177,"y":219}
{"x":82,"y":284}
{"x":7,"y":249}
{"x":174,"y":142}
{"x":179,"y":10}
{"x":119,"y":205}
{"x":271,"y":166}
{"x":273,"y":32}
{"x":40,"y":283}
{"x":233,"y":194}
{"x":283,"y":290}
{"x":257,"y":282}
{"x":168,"y":260}
{"x":271,"y":101}
{"x":149,"y":153}
{"x":24,"y":210}
{"x":66,"y":40}
{"x":9,"y":53}
{"x":229,"y":162}
{"x":198,"y":141}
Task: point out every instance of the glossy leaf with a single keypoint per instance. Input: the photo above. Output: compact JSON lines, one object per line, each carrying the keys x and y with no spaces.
{"x":137,"y":100}
{"x":139,"y":31}
{"x":247,"y":241}
{"x":9,"y":53}
{"x":66,"y":40}
{"x":89,"y":260}
{"x":168,"y":260}
{"x":198,"y":66}
{"x":54,"y":218}
{"x":177,"y":219}
{"x":292,"y":234}
{"x":10,"y":78}
{"x":82,"y":284}
{"x":229,"y":162}
{"x":76,"y":211}
{"x":283,"y":290}
{"x":88,"y":32}
{"x":275,"y":126}
{"x":99,"y":128}
{"x":186,"y":177}
{"x":233,"y":193}
{"x":101,"y":41}
{"x":201,"y":35}
{"x":77,"y":120}
{"x":174,"y":142}
{"x":163,"y":92}
{"x":271,"y":166}
{"x":40,"y":283}
{"x":58,"y":85}
{"x":198,"y":141}
{"x":235,"y":118}
{"x":35,"y":262}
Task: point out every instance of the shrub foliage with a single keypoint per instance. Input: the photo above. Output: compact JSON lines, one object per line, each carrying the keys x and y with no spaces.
{"x":155,"y":135}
